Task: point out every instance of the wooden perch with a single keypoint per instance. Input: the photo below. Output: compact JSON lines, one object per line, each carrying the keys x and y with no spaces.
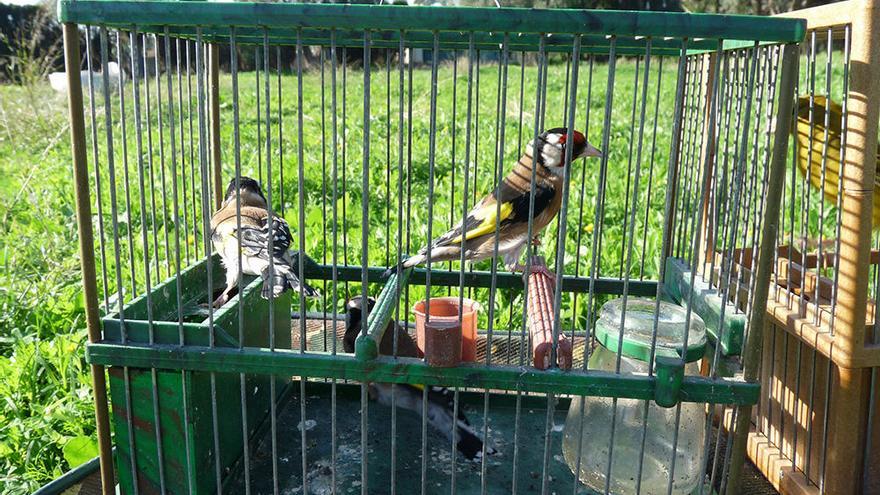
{"x":792,"y":275}
{"x":790,"y":281}
{"x":811,"y":260}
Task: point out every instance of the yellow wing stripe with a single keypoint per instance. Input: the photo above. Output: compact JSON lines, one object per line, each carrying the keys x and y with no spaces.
{"x":489,"y":223}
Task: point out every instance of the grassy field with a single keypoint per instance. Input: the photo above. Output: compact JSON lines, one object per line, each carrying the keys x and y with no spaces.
{"x":449,"y":169}
{"x":45,"y":393}
{"x":47,"y":416}
{"x":45,"y":390}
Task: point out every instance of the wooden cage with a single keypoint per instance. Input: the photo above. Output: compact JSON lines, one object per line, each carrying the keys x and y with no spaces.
{"x":816,"y":429}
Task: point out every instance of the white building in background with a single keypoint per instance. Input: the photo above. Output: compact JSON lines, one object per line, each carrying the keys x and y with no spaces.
{"x":58,"y":80}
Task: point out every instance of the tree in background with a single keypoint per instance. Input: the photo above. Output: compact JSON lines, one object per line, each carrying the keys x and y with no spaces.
{"x":757,"y":7}
{"x":30,"y":43}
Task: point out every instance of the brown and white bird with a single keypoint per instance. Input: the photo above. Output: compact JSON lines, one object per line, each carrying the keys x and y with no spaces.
{"x":476,"y":235}
{"x":441,"y":404}
{"x":255,"y":234}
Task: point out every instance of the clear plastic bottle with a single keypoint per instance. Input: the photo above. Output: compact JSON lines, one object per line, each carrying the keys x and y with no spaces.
{"x":590,"y":418}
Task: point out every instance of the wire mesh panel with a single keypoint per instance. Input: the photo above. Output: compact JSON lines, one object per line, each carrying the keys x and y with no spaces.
{"x":293,"y":203}
{"x":811,"y":226}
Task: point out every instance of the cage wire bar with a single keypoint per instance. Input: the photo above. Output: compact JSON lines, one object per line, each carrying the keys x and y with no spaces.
{"x":684,"y":220}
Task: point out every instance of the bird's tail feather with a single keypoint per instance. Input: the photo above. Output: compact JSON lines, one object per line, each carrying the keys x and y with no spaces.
{"x":439,"y":415}
{"x":282,"y":280}
{"x":438,"y":254}
{"x":469,"y":443}
{"x":403,"y":265}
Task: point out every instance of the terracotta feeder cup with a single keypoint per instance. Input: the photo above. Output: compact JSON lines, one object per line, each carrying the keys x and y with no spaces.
{"x":444,"y":311}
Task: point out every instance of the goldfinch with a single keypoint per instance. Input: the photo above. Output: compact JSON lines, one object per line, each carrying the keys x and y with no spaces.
{"x":255,"y":234}
{"x":440,"y":399}
{"x":476,"y":235}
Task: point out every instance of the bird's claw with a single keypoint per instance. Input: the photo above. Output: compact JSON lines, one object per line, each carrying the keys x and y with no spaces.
{"x":220,"y":301}
{"x":532,"y":268}
{"x":536,"y":241}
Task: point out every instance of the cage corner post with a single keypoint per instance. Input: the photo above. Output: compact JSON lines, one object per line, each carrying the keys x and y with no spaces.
{"x":214,"y":115}
{"x":675,"y":158}
{"x":87,"y":245}
{"x":858,"y":182}
{"x":752,"y":350}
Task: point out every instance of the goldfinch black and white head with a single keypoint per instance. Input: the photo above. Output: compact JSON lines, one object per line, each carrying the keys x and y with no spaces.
{"x":553,"y":144}
{"x":354,"y":313}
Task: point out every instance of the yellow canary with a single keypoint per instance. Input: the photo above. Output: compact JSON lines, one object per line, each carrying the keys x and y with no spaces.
{"x":809,"y":154}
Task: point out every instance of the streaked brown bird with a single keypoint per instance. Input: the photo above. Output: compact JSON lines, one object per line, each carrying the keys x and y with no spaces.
{"x":254,"y":235}
{"x":476,"y":235}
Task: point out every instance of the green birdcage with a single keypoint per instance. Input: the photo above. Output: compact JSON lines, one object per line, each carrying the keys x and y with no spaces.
{"x":372,"y":129}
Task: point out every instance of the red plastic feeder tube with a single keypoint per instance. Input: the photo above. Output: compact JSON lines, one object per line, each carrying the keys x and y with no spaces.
{"x":540,"y":312}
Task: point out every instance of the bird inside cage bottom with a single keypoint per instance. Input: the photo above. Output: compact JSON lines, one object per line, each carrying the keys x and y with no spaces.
{"x":405,"y":441}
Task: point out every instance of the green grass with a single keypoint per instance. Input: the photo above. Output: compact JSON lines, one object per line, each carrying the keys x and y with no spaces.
{"x":42,"y":316}
{"x":45,"y":387}
{"x":383,"y":214}
{"x":45,"y":390}
{"x":448,"y":170}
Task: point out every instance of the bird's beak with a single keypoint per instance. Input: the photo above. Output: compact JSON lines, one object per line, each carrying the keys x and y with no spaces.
{"x":591,"y":150}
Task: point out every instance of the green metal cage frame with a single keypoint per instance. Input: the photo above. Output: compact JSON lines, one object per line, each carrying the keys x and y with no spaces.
{"x":417,"y":27}
{"x":280,"y":17}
